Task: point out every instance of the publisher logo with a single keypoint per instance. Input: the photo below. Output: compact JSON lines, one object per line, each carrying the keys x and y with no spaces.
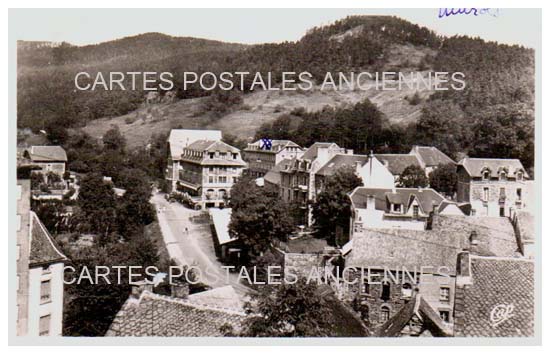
{"x":501,"y":313}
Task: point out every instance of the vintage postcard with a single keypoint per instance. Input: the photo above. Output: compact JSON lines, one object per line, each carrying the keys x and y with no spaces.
{"x":342,"y":175}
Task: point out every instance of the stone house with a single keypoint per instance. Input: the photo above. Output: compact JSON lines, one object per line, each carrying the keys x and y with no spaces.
{"x":430,"y":157}
{"x":493,"y":187}
{"x":47,"y":158}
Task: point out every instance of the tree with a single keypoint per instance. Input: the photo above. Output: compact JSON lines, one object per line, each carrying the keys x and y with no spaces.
{"x":444,"y":179}
{"x":332,"y":209}
{"x":97,"y":202}
{"x":288,"y":310}
{"x":114,"y":140}
{"x":258,"y":216}
{"x":413,"y":177}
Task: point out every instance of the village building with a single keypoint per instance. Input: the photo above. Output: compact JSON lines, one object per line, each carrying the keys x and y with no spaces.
{"x":392,"y":266}
{"x":493,"y":187}
{"x":264,"y":154}
{"x":206,"y":314}
{"x":179,"y":139}
{"x":45,"y":158}
{"x":397,"y":163}
{"x":208,"y":170}
{"x":393,"y":208}
{"x":430,"y":157}
{"x":494,"y":297}
{"x":40,"y":272}
{"x":228,"y":249}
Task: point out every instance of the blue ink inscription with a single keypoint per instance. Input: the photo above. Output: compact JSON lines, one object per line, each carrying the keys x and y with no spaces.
{"x":446,"y":12}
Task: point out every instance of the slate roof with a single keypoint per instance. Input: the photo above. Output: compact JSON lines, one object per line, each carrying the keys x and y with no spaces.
{"x":163,"y":316}
{"x":43,"y":250}
{"x":396,"y":249}
{"x":274,"y":175}
{"x":312,"y":151}
{"x":419,"y":307}
{"x":206,"y":146}
{"x":276,"y":145}
{"x":431,"y":156}
{"x":339,"y":161}
{"x":397,"y":163}
{"x":180,"y":138}
{"x":46,"y":154}
{"x":224,"y":296}
{"x":496,"y":281}
{"x":426,"y":197}
{"x":475,"y":166}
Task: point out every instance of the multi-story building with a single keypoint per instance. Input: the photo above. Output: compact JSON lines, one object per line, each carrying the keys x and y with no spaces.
{"x":264,"y":154}
{"x":207,"y":170}
{"x":46,"y":158}
{"x":397,"y":163}
{"x":430,"y":157}
{"x":397,"y":208}
{"x":177,"y":141}
{"x":40,"y":270}
{"x":493,"y":187}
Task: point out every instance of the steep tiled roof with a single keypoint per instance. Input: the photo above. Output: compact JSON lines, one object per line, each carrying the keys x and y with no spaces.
{"x":339,"y":161}
{"x":43,"y":249}
{"x":419,"y":307}
{"x":396,"y":248}
{"x":312,"y":151}
{"x":164,"y":316}
{"x":47,"y":153}
{"x":476,"y":166}
{"x":431,"y":156}
{"x":507,"y":283}
{"x":397,"y":163}
{"x":180,"y":138}
{"x":426,"y":197}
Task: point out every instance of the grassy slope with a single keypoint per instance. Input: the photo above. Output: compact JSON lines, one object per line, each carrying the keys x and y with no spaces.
{"x":263,"y":106}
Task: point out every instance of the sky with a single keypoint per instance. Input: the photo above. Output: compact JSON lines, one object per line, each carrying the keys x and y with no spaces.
{"x":251,"y":26}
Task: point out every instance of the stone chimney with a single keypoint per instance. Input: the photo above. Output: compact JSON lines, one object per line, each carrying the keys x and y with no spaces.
{"x":139,"y":287}
{"x":179,"y":290}
{"x":463,"y":269}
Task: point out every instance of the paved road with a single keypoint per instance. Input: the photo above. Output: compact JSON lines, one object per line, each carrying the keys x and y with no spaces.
{"x":191,"y":244}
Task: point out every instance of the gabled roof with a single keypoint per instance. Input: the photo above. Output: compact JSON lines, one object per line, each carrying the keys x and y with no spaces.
{"x":339,"y":161}
{"x":204,"y":147}
{"x":274,"y":175}
{"x":431,"y":156}
{"x":43,"y":250}
{"x":505,"y":283}
{"x":180,"y":138}
{"x":163,"y":316}
{"x":397,"y":163}
{"x":276,"y":145}
{"x":221,"y":219}
{"x":396,"y":249}
{"x":312,"y":152}
{"x":427,"y":197}
{"x":419,"y":307}
{"x":46,"y":153}
{"x":476,"y":166}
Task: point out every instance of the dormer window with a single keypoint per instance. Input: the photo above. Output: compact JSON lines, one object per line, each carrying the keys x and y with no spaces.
{"x":486,"y":175}
{"x":211,"y":155}
{"x":502,"y":176}
{"x":519,"y":176}
{"x":397,"y":208}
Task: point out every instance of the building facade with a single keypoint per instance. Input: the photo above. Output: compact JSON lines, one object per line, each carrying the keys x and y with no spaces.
{"x":493,"y":187}
{"x":206,"y":172}
{"x":40,"y":272}
{"x":264,"y":154}
{"x":46,"y":158}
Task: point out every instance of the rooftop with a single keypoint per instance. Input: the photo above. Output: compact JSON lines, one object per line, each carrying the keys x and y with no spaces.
{"x":431,"y":156}
{"x":43,"y":249}
{"x":46,"y":153}
{"x":180,"y":138}
{"x":397,"y":163}
{"x":427,"y":197}
{"x":312,"y":152}
{"x":339,"y":161}
{"x":476,"y":166}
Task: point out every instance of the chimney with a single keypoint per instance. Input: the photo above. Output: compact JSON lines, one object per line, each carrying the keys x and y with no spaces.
{"x":358,"y":166}
{"x":463,"y":271}
{"x":139,"y":287}
{"x":179,"y":290}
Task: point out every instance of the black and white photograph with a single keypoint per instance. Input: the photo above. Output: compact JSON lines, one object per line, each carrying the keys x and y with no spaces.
{"x":275,"y":173}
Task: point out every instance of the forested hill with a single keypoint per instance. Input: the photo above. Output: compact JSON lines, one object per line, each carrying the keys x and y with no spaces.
{"x":500,"y":81}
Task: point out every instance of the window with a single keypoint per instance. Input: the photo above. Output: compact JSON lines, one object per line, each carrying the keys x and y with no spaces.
{"x":444,"y":294}
{"x":234,"y":156}
{"x":384,"y":314}
{"x":486,"y":193}
{"x":502,"y":176}
{"x":520,"y":176}
{"x":518,"y":193}
{"x":397,"y":208}
{"x":44,"y":325}
{"x":210,"y":179}
{"x":502,"y":194}
{"x":406,"y":290}
{"x":211,"y":155}
{"x":444,"y":315}
{"x":385,"y":291}
{"x":222,"y":179}
{"x":365,"y":289}
{"x":415,"y":211}
{"x":486,"y":175}
{"x":45,"y":291}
